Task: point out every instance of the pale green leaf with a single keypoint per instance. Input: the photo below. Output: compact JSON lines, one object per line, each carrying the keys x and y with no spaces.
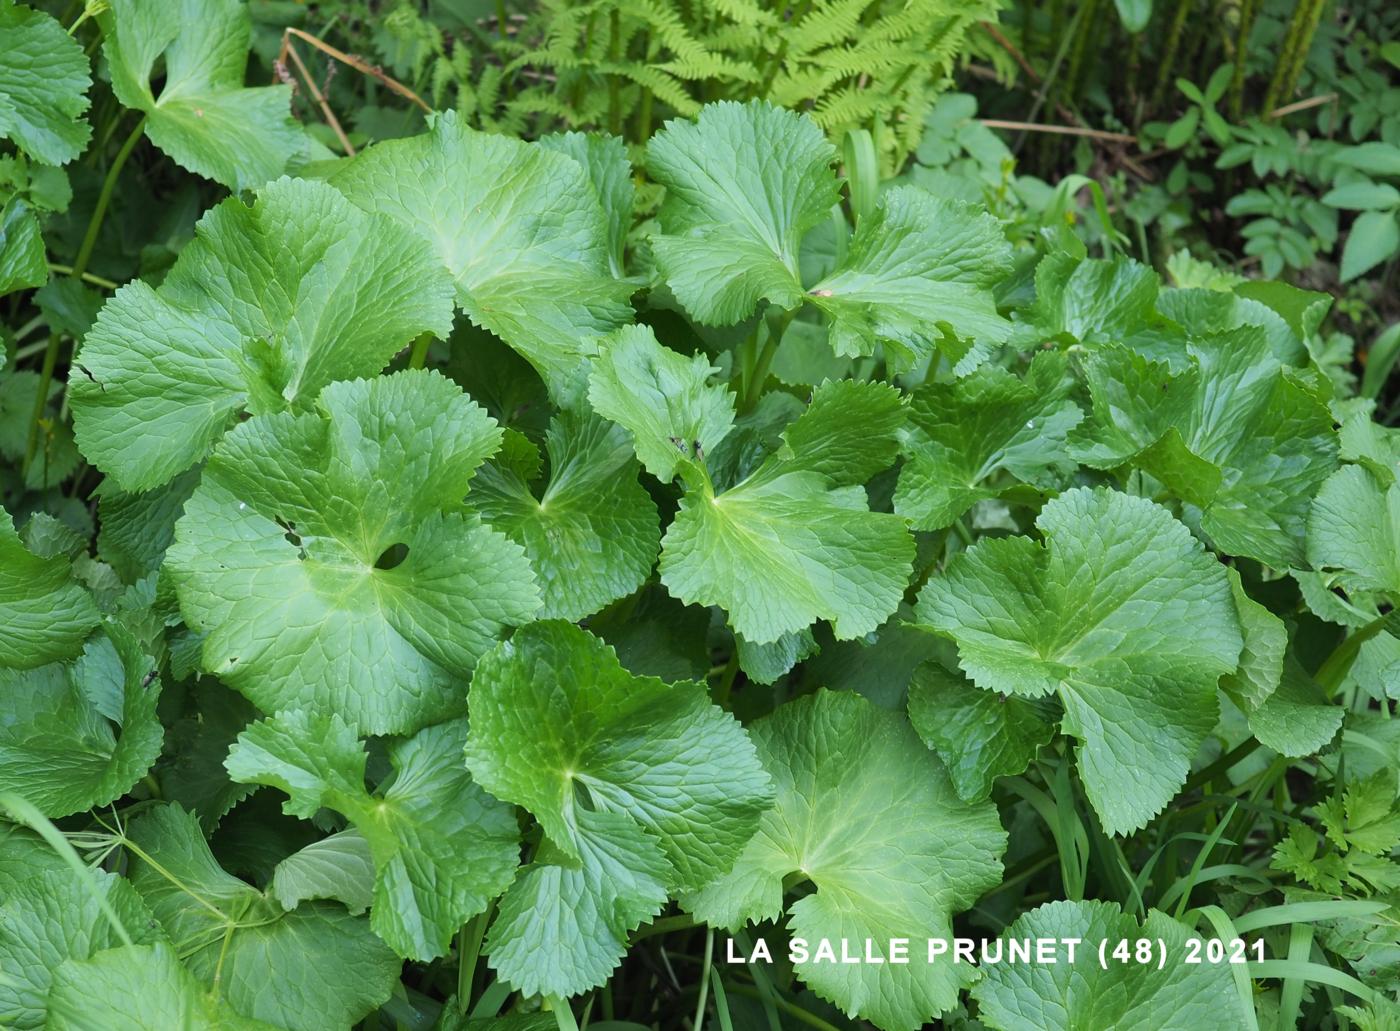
{"x":641,"y":787}
{"x":23,"y":257}
{"x":1374,"y":237}
{"x":1265,"y":644}
{"x":918,"y":274}
{"x":268,"y":304}
{"x":979,"y":735}
{"x":1125,"y":996}
{"x":204,"y":117}
{"x":1234,"y":433}
{"x":53,"y":916}
{"x":1298,"y":718}
{"x":316,"y":968}
{"x":44,"y":79}
{"x":795,"y":541}
{"x":743,"y":183}
{"x":662,"y":398}
{"x":337,"y":867}
{"x":604,"y":160}
{"x":592,"y":533}
{"x":332,"y":565}
{"x":519,"y":228}
{"x":1118,"y":610}
{"x":963,"y":434}
{"x":1354,"y":531}
{"x":868,"y":815}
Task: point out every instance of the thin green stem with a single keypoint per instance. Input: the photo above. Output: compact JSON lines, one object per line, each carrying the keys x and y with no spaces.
{"x":705,"y":979}
{"x":1336,"y":666}
{"x":86,"y":277}
{"x":1168,"y":63}
{"x":104,"y":198}
{"x":80,"y":264}
{"x":777,"y":326}
{"x":792,"y":1010}
{"x":419,"y":354}
{"x":726,"y":682}
{"x":563,"y":1014}
{"x":1210,"y":772}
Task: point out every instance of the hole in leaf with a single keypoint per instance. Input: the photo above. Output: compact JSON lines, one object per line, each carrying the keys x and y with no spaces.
{"x":293,"y":538}
{"x":393,"y":556}
{"x":582,"y":797}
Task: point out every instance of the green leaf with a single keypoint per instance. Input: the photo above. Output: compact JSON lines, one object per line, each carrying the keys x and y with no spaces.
{"x":604,"y":160}
{"x":1134,"y":14}
{"x":1363,"y":196}
{"x":919,"y":273}
{"x":641,"y":788}
{"x":1373,"y":158}
{"x":1265,"y":644}
{"x":23,"y":258}
{"x":519,"y":228}
{"x":316,"y":967}
{"x":442,"y":848}
{"x":50,"y":917}
{"x":330,"y":562}
{"x":1126,"y":996}
{"x":204,"y":117}
{"x":1374,"y":237}
{"x":869,"y":816}
{"x":1092,"y":301}
{"x":268,"y":304}
{"x":338,"y":867}
{"x":979,"y":735}
{"x":44,"y":79}
{"x":44,"y":614}
{"x":1297,"y":719}
{"x":78,"y":736}
{"x":966,"y":432}
{"x":1354,"y":531}
{"x":135,"y":988}
{"x":1234,"y":433}
{"x":795,"y":542}
{"x":661,"y":398}
{"x":1120,"y":612}
{"x":592,"y":534}
{"x":744,"y":183}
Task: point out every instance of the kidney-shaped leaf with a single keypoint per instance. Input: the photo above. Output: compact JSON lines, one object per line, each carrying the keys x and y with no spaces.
{"x":642,"y":788}
{"x":743,"y":182}
{"x":268,"y":304}
{"x":332,"y":565}
{"x":592,"y":534}
{"x":520,"y":228}
{"x":867,"y":814}
{"x":1126,"y":996}
{"x":1122,"y":613}
{"x":315,"y":968}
